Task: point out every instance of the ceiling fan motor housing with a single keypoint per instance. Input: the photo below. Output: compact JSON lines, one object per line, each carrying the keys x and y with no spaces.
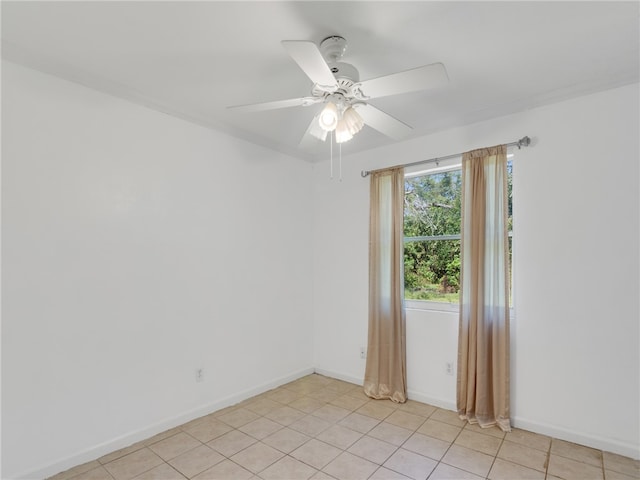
{"x":332,"y":48}
{"x":346,"y":76}
{"x":346,"y":71}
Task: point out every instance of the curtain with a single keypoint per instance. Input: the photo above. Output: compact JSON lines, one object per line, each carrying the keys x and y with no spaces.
{"x":385,"y":373}
{"x":483,"y":338}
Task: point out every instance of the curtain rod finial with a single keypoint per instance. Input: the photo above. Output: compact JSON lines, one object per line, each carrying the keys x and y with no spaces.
{"x":524,"y":142}
{"x":364,"y":173}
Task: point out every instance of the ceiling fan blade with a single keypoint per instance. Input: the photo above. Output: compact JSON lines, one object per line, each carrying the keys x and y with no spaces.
{"x":421,"y":78}
{"x":383,"y":122}
{"x":309,"y":59}
{"x":260,"y":107}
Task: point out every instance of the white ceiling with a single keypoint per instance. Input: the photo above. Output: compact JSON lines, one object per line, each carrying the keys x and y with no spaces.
{"x":193,"y":59}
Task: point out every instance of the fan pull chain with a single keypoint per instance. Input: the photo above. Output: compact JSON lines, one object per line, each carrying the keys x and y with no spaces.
{"x":331,"y":150}
{"x":341,"y":162}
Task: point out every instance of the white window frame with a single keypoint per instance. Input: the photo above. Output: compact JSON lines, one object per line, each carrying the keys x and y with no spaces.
{"x":428,"y":305}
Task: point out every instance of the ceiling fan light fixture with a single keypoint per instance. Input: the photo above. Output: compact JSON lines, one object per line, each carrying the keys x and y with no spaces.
{"x":316,"y":131}
{"x":329,"y":117}
{"x":343,"y":134}
{"x":352,"y":120}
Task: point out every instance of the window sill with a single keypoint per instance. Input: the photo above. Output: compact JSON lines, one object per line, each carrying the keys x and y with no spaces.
{"x":424,"y":305}
{"x":441,"y":307}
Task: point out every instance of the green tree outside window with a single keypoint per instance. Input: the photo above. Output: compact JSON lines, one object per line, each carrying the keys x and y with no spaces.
{"x":432,"y":219}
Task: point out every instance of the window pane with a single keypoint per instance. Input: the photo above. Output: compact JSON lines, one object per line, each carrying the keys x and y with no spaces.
{"x":432,"y":270}
{"x":433,"y":208}
{"x":432,"y":204}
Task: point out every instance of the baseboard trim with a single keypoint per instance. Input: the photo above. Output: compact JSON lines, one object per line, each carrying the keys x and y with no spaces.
{"x":412,"y":394}
{"x":581,"y":438}
{"x":435,"y":401}
{"x":105,"y":448}
{"x":97,"y":451}
{"x":606,"y":444}
{"x":339,"y":376}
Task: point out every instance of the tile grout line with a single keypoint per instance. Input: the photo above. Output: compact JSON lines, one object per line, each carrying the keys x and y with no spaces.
{"x":548,"y":460}
{"x":305,"y":393}
{"x":397,"y":447}
{"x":495,"y":457}
{"x":310,"y":438}
{"x":447,"y":451}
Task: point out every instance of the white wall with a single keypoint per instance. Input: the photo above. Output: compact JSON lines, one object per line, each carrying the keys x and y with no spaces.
{"x":136,"y":248}
{"x":575,"y":335}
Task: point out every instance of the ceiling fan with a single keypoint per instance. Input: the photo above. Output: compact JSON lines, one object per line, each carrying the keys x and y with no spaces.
{"x":337,"y":85}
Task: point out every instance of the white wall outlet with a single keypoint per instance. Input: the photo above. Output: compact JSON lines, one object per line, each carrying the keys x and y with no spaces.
{"x":200,"y":375}
{"x":449,"y":368}
{"x":363,"y":352}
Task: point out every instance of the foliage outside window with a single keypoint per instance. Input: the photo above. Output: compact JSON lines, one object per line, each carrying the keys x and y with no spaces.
{"x":432,"y":220}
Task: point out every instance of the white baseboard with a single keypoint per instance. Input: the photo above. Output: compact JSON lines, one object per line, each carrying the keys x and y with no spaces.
{"x":339,"y":376}
{"x":435,"y":401}
{"x":97,"y":451}
{"x":581,"y":438}
{"x":606,"y":444}
{"x":412,"y":394}
{"x":105,"y":448}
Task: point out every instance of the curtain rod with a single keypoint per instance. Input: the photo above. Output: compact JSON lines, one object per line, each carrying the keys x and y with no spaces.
{"x":523,"y":142}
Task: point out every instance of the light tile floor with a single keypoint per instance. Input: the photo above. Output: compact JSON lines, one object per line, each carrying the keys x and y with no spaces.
{"x":321,"y":428}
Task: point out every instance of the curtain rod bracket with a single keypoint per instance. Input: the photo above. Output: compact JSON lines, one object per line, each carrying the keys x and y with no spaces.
{"x":524,"y":142}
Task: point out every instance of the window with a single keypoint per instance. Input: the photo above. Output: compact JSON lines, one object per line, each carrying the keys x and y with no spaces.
{"x":432,"y":219}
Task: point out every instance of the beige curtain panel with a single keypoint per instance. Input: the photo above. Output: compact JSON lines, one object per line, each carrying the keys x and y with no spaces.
{"x":483,"y":341}
{"x":385,"y":375}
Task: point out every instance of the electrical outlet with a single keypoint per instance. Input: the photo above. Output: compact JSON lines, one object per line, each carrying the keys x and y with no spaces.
{"x":449,"y":368}
{"x":363,"y":353}
{"x":200,"y":375}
